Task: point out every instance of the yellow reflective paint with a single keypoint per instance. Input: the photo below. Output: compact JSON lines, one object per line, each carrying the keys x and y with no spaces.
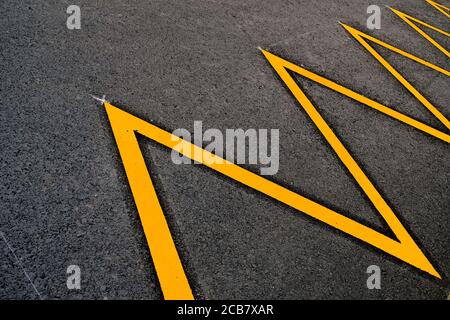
{"x":168,"y":266}
{"x":169,"y":269}
{"x":361,"y":37}
{"x":358,"y":97}
{"x":171,"y":275}
{"x":410,"y":21}
{"x":443,"y":9}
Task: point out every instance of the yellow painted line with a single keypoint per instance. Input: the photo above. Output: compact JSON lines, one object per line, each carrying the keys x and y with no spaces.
{"x":171,"y":275}
{"x":410,"y":21}
{"x":280,"y":65}
{"x":170,"y":271}
{"x":361,"y":37}
{"x":360,"y":98}
{"x":443,"y":9}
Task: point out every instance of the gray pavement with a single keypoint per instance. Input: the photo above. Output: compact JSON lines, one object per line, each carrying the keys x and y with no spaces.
{"x":64,"y":197}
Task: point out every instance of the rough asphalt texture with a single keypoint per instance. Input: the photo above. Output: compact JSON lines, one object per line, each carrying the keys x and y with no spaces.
{"x":64,"y":197}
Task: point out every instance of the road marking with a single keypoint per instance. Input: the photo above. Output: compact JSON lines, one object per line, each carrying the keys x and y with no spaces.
{"x":21,"y":265}
{"x":171,"y":274}
{"x":361,"y":37}
{"x":410,"y":21}
{"x":443,"y":9}
{"x":281,"y":63}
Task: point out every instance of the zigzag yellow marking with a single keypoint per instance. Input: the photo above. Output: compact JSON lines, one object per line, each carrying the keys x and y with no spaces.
{"x":365,"y":101}
{"x":410,"y":21}
{"x":443,"y":9}
{"x":171,"y":275}
{"x":361,"y":37}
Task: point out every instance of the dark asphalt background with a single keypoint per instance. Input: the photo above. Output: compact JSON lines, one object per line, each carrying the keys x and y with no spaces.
{"x":64,"y":198}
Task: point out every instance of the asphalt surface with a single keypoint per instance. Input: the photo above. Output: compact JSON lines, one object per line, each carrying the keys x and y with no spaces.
{"x":64,"y":197}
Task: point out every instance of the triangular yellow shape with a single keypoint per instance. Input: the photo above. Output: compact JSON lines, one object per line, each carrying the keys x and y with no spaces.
{"x":171,"y":275}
